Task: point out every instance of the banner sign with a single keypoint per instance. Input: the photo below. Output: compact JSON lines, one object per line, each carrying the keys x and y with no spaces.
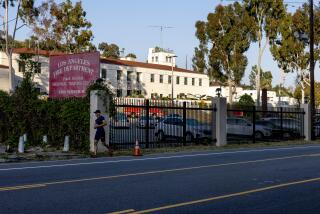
{"x":70,"y":75}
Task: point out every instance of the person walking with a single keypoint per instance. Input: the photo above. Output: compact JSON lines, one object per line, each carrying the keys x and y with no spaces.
{"x":100,"y":123}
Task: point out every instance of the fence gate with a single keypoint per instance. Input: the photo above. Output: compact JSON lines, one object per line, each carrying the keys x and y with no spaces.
{"x":160,"y":123}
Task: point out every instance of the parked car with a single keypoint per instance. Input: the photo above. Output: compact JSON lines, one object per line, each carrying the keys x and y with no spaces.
{"x":120,"y":120}
{"x":143,"y":122}
{"x":317,"y":129}
{"x":133,"y":111}
{"x":277,"y":131}
{"x":173,"y":127}
{"x":241,"y":127}
{"x":288,"y":124}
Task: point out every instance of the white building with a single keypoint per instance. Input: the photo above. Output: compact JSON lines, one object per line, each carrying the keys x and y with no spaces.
{"x":125,"y":76}
{"x":161,"y":56}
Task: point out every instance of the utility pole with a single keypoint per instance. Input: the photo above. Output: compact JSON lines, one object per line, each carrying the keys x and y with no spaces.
{"x":312,"y":97}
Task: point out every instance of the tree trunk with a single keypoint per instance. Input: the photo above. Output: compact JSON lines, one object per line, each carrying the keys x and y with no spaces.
{"x":230,"y":92}
{"x":258,"y":77}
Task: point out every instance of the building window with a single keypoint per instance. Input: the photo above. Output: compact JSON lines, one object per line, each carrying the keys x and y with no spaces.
{"x":186,"y":81}
{"x":129,"y":76}
{"x":178,"y":80}
{"x":119,"y":75}
{"x":169,"y":59}
{"x":200,"y":82}
{"x":38,"y":68}
{"x":193,"y":81}
{"x":156,"y":59}
{"x":119,"y":93}
{"x":22,"y":66}
{"x":103,"y":73}
{"x":152,"y":78}
{"x":139,"y":92}
{"x":138,"y":77}
{"x":152,"y":59}
{"x":169,"y":79}
{"x":161,"y":79}
{"x":166,"y":59}
{"x":129,"y":92}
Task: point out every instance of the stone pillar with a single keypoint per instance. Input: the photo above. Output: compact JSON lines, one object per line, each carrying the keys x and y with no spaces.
{"x":307,"y":121}
{"x":97,"y":103}
{"x":220,"y":120}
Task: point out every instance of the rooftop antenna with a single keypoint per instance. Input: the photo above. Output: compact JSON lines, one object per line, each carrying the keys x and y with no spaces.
{"x":161,"y":27}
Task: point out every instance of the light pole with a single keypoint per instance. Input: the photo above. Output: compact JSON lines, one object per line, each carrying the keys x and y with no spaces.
{"x":312,"y":97}
{"x":172,"y":57}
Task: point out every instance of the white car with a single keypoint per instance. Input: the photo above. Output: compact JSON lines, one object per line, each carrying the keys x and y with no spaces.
{"x":242,"y":127}
{"x":173,"y":127}
{"x":143,"y":122}
{"x":120,"y":120}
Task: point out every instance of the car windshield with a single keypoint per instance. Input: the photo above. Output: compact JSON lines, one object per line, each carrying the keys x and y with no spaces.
{"x":265,"y":123}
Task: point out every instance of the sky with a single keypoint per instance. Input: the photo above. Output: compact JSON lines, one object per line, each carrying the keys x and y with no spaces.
{"x":127,"y":24}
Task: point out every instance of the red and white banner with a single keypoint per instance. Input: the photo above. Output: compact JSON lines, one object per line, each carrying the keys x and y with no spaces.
{"x":70,"y":75}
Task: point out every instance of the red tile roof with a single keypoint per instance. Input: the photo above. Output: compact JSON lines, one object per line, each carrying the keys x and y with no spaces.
{"x":105,"y":60}
{"x":37,"y":52}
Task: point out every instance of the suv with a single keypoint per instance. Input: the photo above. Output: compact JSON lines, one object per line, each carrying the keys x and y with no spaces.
{"x":241,"y":127}
{"x":173,"y":127}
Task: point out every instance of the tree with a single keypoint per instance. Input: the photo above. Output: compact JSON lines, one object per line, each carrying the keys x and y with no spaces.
{"x":265,"y":78}
{"x":226,"y":36}
{"x":198,"y":60}
{"x":266,"y":14}
{"x":25,"y":11}
{"x":246,"y":100}
{"x":63,"y":27}
{"x":109,"y":51}
{"x":132,"y":55}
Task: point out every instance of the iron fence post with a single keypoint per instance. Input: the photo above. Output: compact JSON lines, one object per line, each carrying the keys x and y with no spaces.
{"x":184,"y":123}
{"x":281,"y":122}
{"x":147,"y":123}
{"x":254,"y":124}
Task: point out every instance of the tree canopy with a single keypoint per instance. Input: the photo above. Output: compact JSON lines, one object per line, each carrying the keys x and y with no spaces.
{"x":265,"y":78}
{"x":63,"y":27}
{"x":224,"y":38}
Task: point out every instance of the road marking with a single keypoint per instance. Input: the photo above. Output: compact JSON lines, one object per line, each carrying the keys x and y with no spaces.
{"x":165,"y":171}
{"x":226,"y":196}
{"x":157,"y":158}
{"x":123,"y":212}
{"x":2,"y":189}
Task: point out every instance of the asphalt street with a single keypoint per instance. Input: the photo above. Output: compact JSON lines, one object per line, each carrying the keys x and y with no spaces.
{"x":270,"y":180}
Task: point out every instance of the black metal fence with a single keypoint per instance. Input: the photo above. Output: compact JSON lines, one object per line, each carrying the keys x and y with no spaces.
{"x":158,"y":123}
{"x":316,"y":123}
{"x":251,"y":124}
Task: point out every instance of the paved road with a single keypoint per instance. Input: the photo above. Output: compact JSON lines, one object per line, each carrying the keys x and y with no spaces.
{"x":278,"y":180}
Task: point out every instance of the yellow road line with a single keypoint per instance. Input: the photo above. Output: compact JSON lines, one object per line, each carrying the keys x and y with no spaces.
{"x":156,"y":172}
{"x":123,"y":212}
{"x":226,"y":196}
{"x":2,"y":189}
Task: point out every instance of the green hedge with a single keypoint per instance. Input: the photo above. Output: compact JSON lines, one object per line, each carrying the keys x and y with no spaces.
{"x":23,"y":112}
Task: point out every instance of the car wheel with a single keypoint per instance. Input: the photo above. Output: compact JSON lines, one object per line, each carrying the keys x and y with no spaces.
{"x":161,"y":136}
{"x":189,"y":137}
{"x":258,"y":135}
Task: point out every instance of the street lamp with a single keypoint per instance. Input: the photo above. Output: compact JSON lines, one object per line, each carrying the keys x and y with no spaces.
{"x":172,"y":57}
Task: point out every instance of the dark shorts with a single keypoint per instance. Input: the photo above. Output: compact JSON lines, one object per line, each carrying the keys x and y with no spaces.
{"x":100,"y":136}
